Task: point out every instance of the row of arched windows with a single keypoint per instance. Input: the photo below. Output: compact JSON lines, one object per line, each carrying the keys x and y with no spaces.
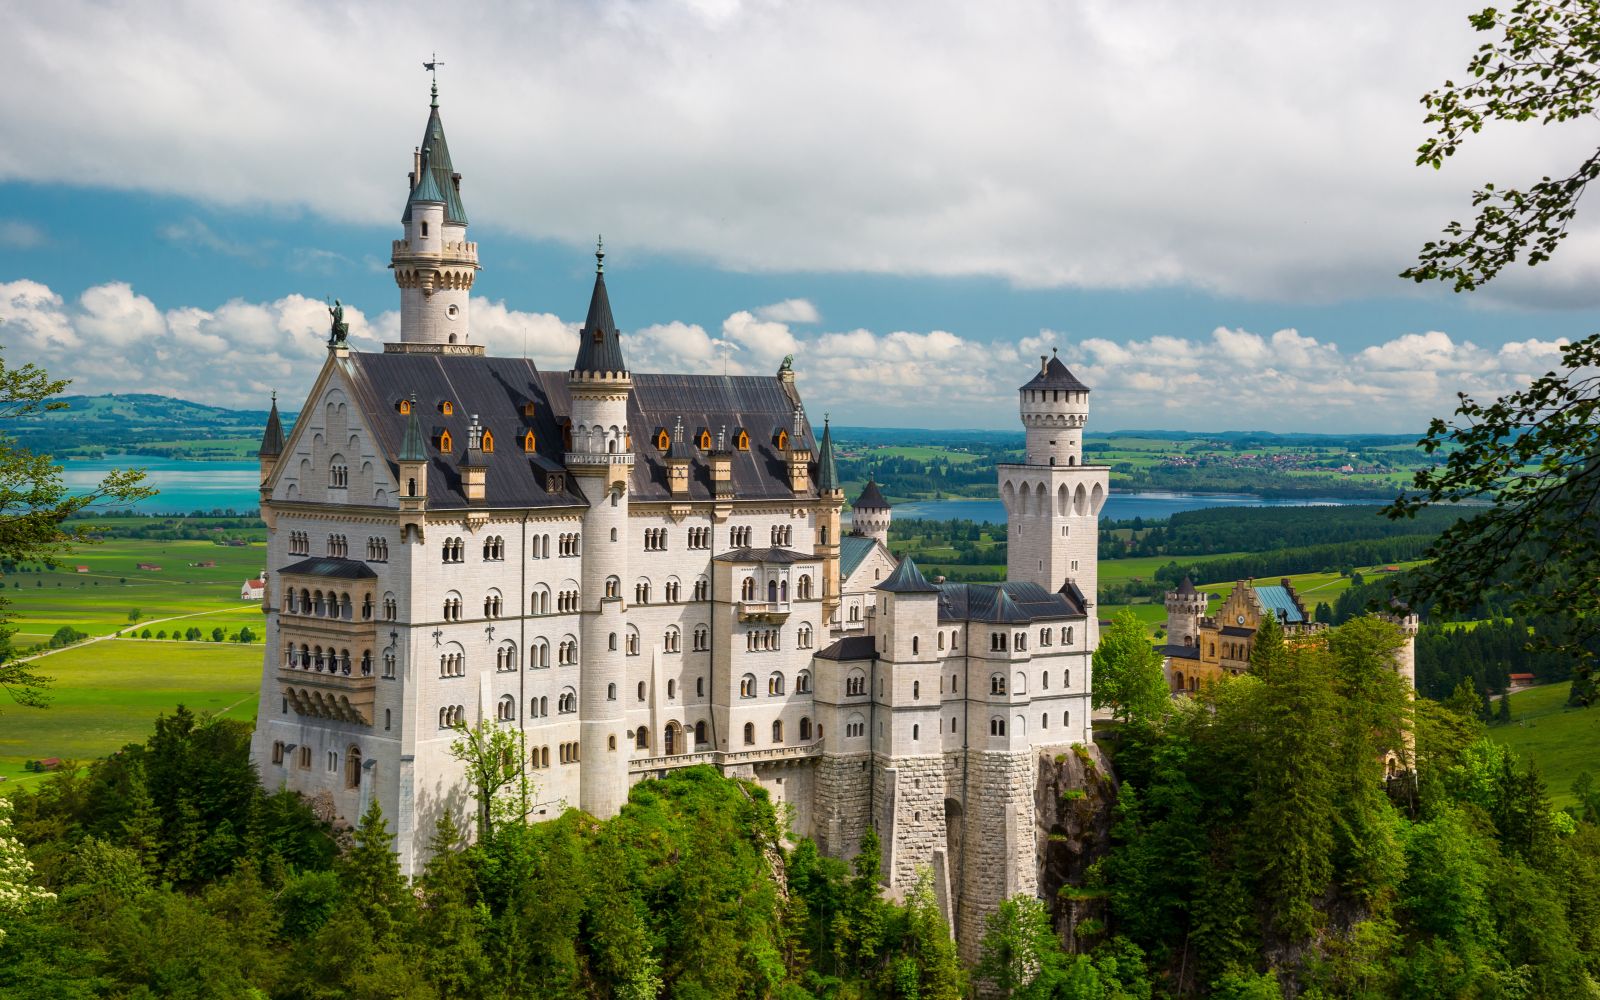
{"x":699,"y":538}
{"x":775,"y":684}
{"x":338,"y":548}
{"x":655,"y":539}
{"x":739,"y":537}
{"x":299,"y":543}
{"x":782,"y":535}
{"x":452,"y":665}
{"x":377,"y":549}
{"x":451,"y":716}
{"x":338,"y":475}
{"x":454,"y":550}
{"x":762,"y":640}
{"x":494,"y":548}
{"x":330,"y":660}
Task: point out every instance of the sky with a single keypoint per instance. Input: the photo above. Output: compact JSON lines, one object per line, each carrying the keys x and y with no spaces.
{"x":1203,"y":207}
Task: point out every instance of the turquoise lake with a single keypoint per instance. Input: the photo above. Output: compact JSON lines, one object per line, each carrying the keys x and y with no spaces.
{"x":188,"y":486}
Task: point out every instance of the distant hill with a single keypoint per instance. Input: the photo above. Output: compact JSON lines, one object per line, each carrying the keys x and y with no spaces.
{"x":144,"y":423}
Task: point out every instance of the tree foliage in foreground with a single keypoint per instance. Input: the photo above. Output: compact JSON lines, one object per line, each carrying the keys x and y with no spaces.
{"x":34,"y":504}
{"x":1260,"y":852}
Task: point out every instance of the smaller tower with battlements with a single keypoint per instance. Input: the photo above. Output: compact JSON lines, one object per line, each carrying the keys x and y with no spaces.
{"x":1185,"y":607}
{"x":870,"y":515}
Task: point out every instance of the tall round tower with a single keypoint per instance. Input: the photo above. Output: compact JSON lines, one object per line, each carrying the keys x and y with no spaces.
{"x":600,"y":461}
{"x":1052,"y":498}
{"x":434,"y":264}
{"x":1185,"y":606}
{"x":870,"y":514}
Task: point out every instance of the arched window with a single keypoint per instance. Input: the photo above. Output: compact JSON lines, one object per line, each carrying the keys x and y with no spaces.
{"x":916,"y":733}
{"x":915,"y":644}
{"x":611,"y":692}
{"x":805,"y":729}
{"x":802,"y":682}
{"x":777,"y":731}
{"x":775,"y":683}
{"x":749,"y":734}
{"x":568,"y":702}
{"x":997,"y":726}
{"x":530,"y":442}
{"x":352,"y":767}
{"x":613,"y":587}
{"x":1067,"y":637}
{"x":506,"y":710}
{"x":487,"y":441}
{"x":747,"y":590}
{"x":747,"y":686}
{"x":997,"y":683}
{"x":641,"y":738}
{"x":699,"y":732}
{"x":916,"y":690}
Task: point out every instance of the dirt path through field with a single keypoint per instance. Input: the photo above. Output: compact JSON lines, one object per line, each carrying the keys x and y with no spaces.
{"x":119,"y":635}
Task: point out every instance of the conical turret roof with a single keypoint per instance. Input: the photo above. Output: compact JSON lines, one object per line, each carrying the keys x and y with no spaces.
{"x":438,"y":168}
{"x":827,"y":470}
{"x":413,"y":447}
{"x":907,"y":579}
{"x":599,"y":344}
{"x":871,"y":498}
{"x":1186,"y":588}
{"x":272,"y":440}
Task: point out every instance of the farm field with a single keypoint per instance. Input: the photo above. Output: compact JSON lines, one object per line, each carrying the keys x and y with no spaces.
{"x":1561,"y":739}
{"x":109,"y":693}
{"x":99,"y":600}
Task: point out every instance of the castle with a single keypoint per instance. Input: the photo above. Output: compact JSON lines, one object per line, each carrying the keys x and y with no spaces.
{"x":639,"y":572}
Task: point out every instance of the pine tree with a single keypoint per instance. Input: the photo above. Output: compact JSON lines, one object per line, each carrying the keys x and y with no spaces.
{"x":1503,"y":716}
{"x":371,"y":876}
{"x":141,"y":827}
{"x":453,"y":961}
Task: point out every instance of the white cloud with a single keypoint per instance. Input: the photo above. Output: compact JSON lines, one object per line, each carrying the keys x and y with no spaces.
{"x":790,"y":311}
{"x":112,"y":339}
{"x":1233,"y":147}
{"x":18,"y":235}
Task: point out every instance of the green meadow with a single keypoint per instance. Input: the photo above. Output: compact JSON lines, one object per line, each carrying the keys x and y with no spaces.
{"x":99,"y":600}
{"x":108,"y":693}
{"x":1561,"y":739}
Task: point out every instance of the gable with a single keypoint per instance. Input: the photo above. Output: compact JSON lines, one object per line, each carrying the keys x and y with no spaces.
{"x":874,"y":567}
{"x":332,"y":455}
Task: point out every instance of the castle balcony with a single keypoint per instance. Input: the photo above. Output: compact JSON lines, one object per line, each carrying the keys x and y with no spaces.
{"x":722,"y":758}
{"x":599,"y":458}
{"x":773,"y":612}
{"x":329,"y":686}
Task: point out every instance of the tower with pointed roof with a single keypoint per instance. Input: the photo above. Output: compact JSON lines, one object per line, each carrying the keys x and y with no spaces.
{"x":1052,"y":498}
{"x":870,"y":514}
{"x":271,"y":443}
{"x":1185,"y":607}
{"x":600,"y":461}
{"x":434,"y":264}
{"x":832,"y":496}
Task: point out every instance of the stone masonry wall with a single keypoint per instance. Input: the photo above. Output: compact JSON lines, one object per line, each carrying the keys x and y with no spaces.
{"x":911,"y":792}
{"x":998,"y":840}
{"x":843,"y":799}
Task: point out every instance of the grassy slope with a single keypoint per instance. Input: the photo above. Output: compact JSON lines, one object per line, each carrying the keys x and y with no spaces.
{"x":109,"y":693}
{"x":1563,"y":740}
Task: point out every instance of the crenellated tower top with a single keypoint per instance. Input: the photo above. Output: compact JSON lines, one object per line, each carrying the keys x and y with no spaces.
{"x":1055,"y":407}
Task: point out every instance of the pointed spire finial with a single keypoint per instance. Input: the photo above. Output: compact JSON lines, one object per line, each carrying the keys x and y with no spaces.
{"x":600,"y":254}
{"x":274,"y":397}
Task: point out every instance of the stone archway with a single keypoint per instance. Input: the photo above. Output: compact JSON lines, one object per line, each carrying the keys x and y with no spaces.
{"x":672,"y":742}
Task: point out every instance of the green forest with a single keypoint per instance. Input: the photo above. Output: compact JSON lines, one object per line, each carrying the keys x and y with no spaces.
{"x":1256,"y":850}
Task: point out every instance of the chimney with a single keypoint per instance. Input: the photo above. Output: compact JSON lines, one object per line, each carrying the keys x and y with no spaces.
{"x":678,"y":462}
{"x":474,"y":468}
{"x":1043,"y":362}
{"x":416,"y":167}
{"x":799,"y":455}
{"x":722,"y":467}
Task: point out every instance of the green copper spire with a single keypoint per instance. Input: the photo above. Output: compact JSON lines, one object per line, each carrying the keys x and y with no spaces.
{"x":827,"y":471}
{"x":413,"y":447}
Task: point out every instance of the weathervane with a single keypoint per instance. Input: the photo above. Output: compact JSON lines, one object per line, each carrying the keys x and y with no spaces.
{"x":432,"y":66}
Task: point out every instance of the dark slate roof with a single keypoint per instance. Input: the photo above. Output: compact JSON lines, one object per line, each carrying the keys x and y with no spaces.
{"x":328,"y":566}
{"x":870,"y":498}
{"x":853,"y":551}
{"x":1004,"y":603}
{"x":1278,"y":599}
{"x":907,"y":579}
{"x":1055,"y":375}
{"x":599,"y":345}
{"x":1187,"y":586}
{"x":680,"y":447}
{"x":443,"y":173}
{"x":712,"y":402}
{"x":494,"y":388}
{"x":272,"y":440}
{"x":772,"y":555}
{"x":1181,"y":652}
{"x":1236,"y":632}
{"x":827,"y":470}
{"x":851,"y":647}
{"x":1070,"y":591}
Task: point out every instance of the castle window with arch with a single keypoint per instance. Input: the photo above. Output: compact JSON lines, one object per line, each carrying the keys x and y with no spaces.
{"x":630,"y":642}
{"x":802,"y":682}
{"x":506,"y":710}
{"x":568,"y":702}
{"x":702,"y":638}
{"x":775,"y":683}
{"x":749,"y":734}
{"x":997,"y":683}
{"x":856,"y":683}
{"x":855,"y":727}
{"x":446,"y":444}
{"x":671,"y":640}
{"x":747,"y":686}
{"x":777,"y":731}
{"x":997,"y":726}
{"x":613,"y":587}
{"x":702,"y":587}
{"x":803,"y":636}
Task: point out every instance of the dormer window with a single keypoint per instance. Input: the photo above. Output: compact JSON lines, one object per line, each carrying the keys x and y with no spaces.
{"x":705,"y":440}
{"x":529,"y":408}
{"x":447,"y":408}
{"x":743,"y":440}
{"x":488,"y":441}
{"x":445,"y":444}
{"x":529,"y":443}
{"x":782,"y":440}
{"x":403,"y":407}
{"x":663,"y":439}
